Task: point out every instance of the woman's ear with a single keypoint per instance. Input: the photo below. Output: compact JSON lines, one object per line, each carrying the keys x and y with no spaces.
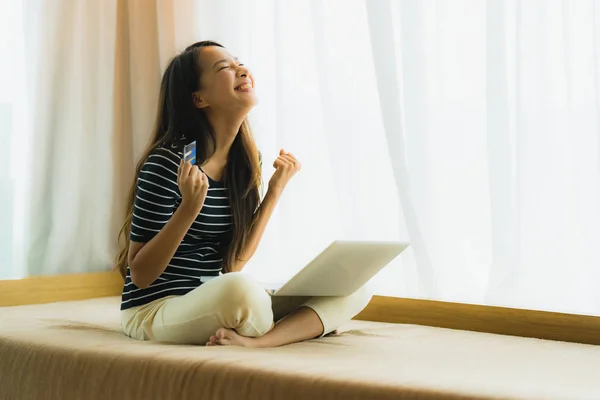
{"x":198,"y":101}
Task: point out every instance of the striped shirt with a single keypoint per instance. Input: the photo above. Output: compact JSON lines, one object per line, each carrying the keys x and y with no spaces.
{"x":200,"y":253}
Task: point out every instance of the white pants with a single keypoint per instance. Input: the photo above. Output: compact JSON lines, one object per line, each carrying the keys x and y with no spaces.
{"x":233,"y":301}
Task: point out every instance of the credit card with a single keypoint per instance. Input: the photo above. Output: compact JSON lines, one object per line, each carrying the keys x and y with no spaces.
{"x":189,"y":153}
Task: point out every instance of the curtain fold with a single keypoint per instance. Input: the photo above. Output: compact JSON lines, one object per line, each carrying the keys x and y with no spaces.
{"x":69,"y":176}
{"x":95,"y":90}
{"x":389,"y":85}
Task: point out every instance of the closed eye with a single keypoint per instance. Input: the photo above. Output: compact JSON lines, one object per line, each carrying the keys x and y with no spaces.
{"x":228,"y":66}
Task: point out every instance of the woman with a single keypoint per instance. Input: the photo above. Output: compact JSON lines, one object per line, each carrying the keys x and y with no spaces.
{"x":190,"y":229}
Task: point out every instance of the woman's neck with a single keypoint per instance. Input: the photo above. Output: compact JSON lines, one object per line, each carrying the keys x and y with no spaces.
{"x":226,"y":128}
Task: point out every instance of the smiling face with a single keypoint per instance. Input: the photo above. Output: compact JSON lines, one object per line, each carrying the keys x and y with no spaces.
{"x":225,"y":83}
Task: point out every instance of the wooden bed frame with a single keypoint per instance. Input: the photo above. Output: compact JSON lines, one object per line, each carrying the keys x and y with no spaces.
{"x":500,"y":320}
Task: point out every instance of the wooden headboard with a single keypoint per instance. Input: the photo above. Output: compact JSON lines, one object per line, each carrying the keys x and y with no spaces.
{"x":48,"y":289}
{"x":471,"y":317}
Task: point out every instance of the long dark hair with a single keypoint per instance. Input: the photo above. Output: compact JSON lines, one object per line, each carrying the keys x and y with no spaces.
{"x":178,"y":118}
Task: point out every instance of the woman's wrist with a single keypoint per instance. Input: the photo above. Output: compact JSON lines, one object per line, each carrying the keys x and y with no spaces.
{"x":188,"y":209}
{"x":274,"y":191}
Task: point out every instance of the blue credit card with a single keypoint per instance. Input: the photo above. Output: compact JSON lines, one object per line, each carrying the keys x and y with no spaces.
{"x":189,"y":153}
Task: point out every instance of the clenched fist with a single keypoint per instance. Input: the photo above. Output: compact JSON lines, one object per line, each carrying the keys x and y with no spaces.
{"x":286,"y":166}
{"x":193,"y":185}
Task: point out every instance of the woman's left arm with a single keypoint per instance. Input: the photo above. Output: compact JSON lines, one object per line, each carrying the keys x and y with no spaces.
{"x":263,"y":215}
{"x":285,"y":166}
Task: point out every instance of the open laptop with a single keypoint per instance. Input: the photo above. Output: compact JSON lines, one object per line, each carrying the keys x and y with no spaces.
{"x":340,"y":270}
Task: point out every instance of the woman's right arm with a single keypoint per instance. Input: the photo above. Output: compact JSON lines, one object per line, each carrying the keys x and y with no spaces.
{"x":147,"y":260}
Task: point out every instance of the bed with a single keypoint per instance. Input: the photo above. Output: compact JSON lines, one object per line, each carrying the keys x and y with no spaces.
{"x":75,"y":350}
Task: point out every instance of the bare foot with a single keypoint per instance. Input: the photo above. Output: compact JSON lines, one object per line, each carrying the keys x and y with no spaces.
{"x":228,"y":337}
{"x":212,"y":341}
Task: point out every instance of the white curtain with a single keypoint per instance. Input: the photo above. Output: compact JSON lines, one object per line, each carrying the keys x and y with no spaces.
{"x":80,"y":84}
{"x":469,"y":128}
{"x":499,"y":103}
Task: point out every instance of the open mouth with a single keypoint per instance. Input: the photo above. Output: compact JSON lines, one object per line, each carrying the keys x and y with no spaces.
{"x":244,"y":87}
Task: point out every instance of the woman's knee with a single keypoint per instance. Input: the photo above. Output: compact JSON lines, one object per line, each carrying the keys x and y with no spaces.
{"x":242,"y":291}
{"x":244,"y":300}
{"x":335,"y":311}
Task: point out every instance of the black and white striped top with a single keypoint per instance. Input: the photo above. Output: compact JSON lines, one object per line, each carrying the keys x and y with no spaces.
{"x":200,"y":254}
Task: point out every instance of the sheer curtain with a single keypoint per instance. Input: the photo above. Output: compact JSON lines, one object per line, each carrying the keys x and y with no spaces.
{"x":79,"y":89}
{"x":469,"y":128}
{"x":530,"y":211}
{"x":499,"y":145}
{"x":13,"y":124}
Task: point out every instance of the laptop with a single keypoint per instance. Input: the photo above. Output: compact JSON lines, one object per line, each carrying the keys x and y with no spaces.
{"x":340,"y":270}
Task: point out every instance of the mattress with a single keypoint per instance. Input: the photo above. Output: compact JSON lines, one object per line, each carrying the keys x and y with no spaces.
{"x":75,"y":350}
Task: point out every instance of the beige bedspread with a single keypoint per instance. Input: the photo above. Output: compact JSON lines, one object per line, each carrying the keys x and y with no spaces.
{"x":75,"y":350}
